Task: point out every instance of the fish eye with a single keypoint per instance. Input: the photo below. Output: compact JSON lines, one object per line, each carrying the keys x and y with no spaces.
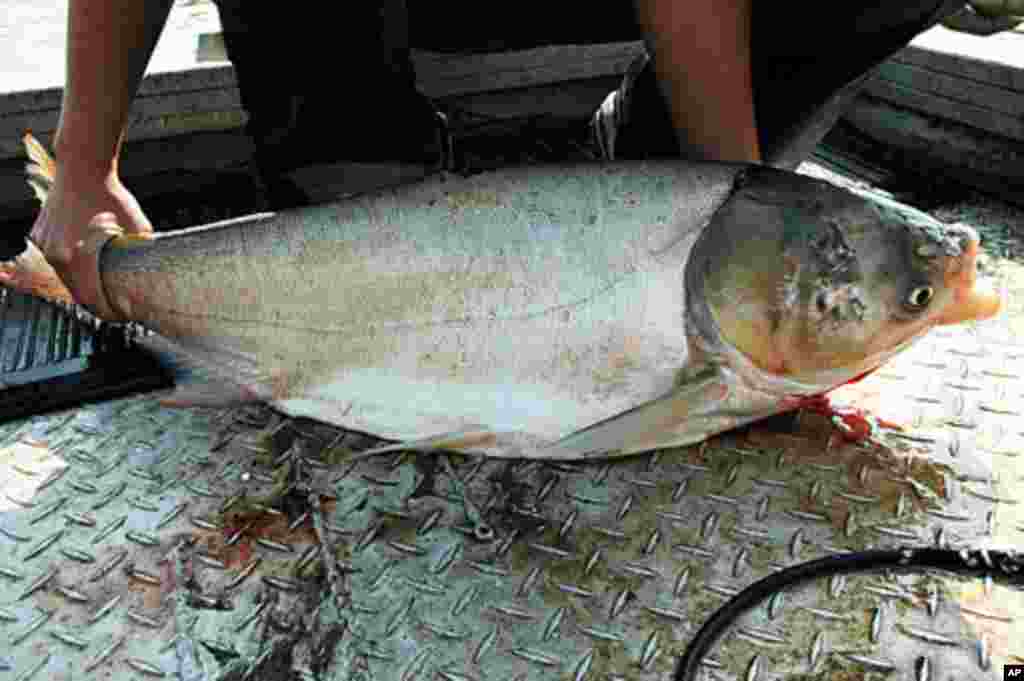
{"x":920,"y":296}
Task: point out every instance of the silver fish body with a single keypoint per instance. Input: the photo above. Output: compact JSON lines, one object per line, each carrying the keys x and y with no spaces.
{"x":553,"y":312}
{"x":521,"y":303}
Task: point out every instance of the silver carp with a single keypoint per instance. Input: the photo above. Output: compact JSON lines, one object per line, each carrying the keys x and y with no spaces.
{"x":541,"y":312}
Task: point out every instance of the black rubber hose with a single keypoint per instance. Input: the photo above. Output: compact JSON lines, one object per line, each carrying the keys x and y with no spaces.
{"x":1003,"y":566}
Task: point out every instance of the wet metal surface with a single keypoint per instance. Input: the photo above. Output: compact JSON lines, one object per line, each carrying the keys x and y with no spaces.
{"x":139,"y":542}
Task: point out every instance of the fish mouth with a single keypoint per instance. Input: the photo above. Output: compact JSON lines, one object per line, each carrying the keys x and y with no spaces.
{"x":973,"y":299}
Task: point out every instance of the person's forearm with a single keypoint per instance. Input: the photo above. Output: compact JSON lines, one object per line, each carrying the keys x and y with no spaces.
{"x":108,"y":47}
{"x":701,"y":52}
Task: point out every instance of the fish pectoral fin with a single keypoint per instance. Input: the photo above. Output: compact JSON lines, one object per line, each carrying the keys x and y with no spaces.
{"x":204,"y":378}
{"x":630,"y":431}
{"x":457,"y":441}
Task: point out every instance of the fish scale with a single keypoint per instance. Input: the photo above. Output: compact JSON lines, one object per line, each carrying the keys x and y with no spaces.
{"x":596,"y":569}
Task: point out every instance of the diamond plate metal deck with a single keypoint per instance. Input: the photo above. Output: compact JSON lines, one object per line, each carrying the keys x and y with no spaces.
{"x":140,"y":542}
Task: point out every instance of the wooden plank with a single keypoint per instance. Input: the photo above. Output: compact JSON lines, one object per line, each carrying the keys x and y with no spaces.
{"x":182,"y":155}
{"x":999,"y":50}
{"x":26,"y":101}
{"x":207,"y":98}
{"x":182,"y":102}
{"x":441,"y":75}
{"x":167,"y":104}
{"x":849,"y":165}
{"x":953,"y":87}
{"x":923,"y":144}
{"x":156,"y":159}
{"x":143,"y":125}
{"x":575,"y":99}
{"x":983,"y":119}
{"x":192,"y":80}
{"x":964,"y":66}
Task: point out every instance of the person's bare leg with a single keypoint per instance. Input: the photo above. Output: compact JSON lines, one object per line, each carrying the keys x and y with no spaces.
{"x":109,"y":45}
{"x":701,"y":53}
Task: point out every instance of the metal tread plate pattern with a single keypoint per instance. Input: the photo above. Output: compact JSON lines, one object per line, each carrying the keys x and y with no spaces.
{"x":140,"y":542}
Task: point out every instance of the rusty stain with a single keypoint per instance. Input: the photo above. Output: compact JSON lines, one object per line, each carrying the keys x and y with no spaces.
{"x":973,"y":596}
{"x":152,"y":594}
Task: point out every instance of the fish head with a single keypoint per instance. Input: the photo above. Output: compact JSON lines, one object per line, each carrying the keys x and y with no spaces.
{"x":816,"y":283}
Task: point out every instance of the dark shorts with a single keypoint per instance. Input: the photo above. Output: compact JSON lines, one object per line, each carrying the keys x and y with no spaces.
{"x":802,"y":53}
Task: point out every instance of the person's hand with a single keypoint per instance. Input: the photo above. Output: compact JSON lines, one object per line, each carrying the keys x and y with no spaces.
{"x":80,"y":203}
{"x":81,"y":210}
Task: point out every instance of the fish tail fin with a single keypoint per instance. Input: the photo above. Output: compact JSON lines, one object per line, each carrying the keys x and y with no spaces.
{"x":30,"y":272}
{"x":41,"y":168}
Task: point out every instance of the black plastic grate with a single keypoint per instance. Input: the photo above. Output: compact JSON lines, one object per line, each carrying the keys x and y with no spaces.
{"x":35,"y":334}
{"x":56,"y":357}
